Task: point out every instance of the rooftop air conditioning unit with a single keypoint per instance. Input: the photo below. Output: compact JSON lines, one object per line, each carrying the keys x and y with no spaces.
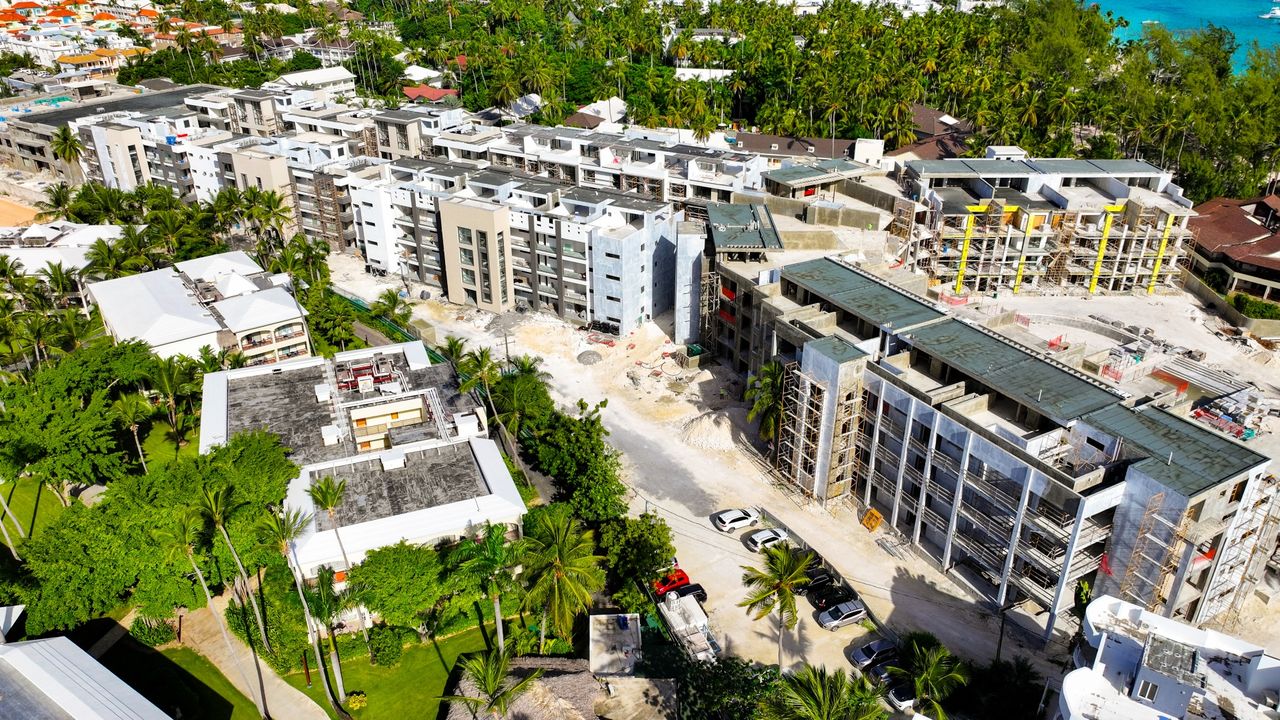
{"x":393,"y":461}
{"x":365,"y":384}
{"x":331,"y":435}
{"x":322,"y":393}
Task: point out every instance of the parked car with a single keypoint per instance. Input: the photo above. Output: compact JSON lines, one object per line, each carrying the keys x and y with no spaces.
{"x":694,"y":589}
{"x":674,"y":579}
{"x":735,"y":519}
{"x":901,"y":696}
{"x":846,"y":613}
{"x":764,"y":539}
{"x":831,"y":595}
{"x":819,"y":578}
{"x":873,"y":653}
{"x":880,"y":673}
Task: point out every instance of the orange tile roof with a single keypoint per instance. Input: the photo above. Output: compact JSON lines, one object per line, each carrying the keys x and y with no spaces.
{"x":60,"y":12}
{"x":148,"y":12}
{"x":11,"y":16}
{"x":25,"y":5}
{"x":79,"y":59}
{"x":104,"y":16}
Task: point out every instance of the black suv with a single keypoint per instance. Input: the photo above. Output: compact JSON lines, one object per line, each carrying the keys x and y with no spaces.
{"x":695,"y":590}
{"x":820,"y":579}
{"x":831,"y":595}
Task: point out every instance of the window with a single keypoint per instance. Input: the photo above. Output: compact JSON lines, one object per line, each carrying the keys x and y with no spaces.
{"x":1237,"y":492}
{"x":1148,"y":690}
{"x":613,"y":256}
{"x":469,"y":277}
{"x":361,"y":422}
{"x":612,"y":298}
{"x":395,"y":416}
{"x":482,"y":237}
{"x":614,"y":278}
{"x":464,"y":235}
{"x":1193,"y":513}
{"x":468,"y":257}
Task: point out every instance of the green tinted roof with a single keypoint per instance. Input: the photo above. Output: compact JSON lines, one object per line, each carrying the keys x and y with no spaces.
{"x":836,"y":348}
{"x":1048,"y":388}
{"x":1186,"y":457}
{"x":860,"y":294}
{"x":742,"y":227}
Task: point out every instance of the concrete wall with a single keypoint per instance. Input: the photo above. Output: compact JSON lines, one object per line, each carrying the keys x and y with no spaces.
{"x":868,"y":195}
{"x":1261,"y":328}
{"x":805,"y":210}
{"x":688,"y":285}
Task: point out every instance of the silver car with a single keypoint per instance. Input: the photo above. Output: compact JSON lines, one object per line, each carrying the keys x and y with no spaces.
{"x":873,"y":653}
{"x":767,"y":538}
{"x":846,"y":613}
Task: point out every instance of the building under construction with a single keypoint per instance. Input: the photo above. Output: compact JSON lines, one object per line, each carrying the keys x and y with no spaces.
{"x":1009,"y":222}
{"x":1013,"y":472}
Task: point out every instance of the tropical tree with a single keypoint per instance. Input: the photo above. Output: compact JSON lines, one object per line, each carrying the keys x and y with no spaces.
{"x":57,"y":203}
{"x":934,"y":674}
{"x":131,"y":411}
{"x":490,"y":672}
{"x":392,"y":306}
{"x":772,"y":588}
{"x":765,"y":396}
{"x":279,"y":531}
{"x":529,"y":365}
{"x":173,"y":380}
{"x":328,"y":495}
{"x":453,"y":350}
{"x":814,"y":693}
{"x":327,"y":604}
{"x":180,"y":540}
{"x":490,"y":559}
{"x":215,"y":505}
{"x":562,"y":570}
{"x":67,"y":147}
{"x":481,"y":371}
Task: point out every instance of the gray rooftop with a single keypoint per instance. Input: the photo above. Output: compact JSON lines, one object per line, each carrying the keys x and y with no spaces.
{"x":860,"y":294}
{"x":285,"y":404}
{"x":991,"y":167}
{"x":1173,"y":659}
{"x":20,"y":698}
{"x":1049,"y":389}
{"x":836,"y":348}
{"x":739,"y":227}
{"x":145,"y":102}
{"x":430,"y":478}
{"x":1201,"y":458}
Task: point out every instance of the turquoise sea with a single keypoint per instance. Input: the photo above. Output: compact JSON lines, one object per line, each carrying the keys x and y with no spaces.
{"x":1239,"y":16}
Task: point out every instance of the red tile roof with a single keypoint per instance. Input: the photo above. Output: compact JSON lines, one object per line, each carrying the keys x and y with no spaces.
{"x":100,"y":17}
{"x":25,"y":5}
{"x":426,"y":92}
{"x":1235,"y":228}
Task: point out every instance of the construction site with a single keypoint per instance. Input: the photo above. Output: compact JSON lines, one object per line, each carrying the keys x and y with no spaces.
{"x":1012,"y":223}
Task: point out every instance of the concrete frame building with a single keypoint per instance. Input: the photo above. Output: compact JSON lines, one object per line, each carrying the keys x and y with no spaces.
{"x":1013,"y":472}
{"x":1134,"y":664}
{"x":1010,"y":222}
{"x":223,"y":301}
{"x":396,"y":426}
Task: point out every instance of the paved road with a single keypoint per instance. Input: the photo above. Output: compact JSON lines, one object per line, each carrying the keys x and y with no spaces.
{"x":284,"y":702}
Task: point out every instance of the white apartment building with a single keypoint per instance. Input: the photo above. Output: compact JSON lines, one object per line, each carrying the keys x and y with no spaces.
{"x":338,"y":83}
{"x":409,"y":443}
{"x":1137,"y":665}
{"x":221,"y":301}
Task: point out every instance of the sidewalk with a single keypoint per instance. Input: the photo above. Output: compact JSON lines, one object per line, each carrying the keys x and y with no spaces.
{"x":284,"y":702}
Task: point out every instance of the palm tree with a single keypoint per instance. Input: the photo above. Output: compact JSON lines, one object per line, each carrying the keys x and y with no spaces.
{"x":67,"y":147}
{"x":530,"y":365}
{"x":453,"y":350}
{"x":490,"y":559}
{"x":482,"y":370}
{"x":170,"y":228}
{"x":814,"y":693}
{"x":105,"y":260}
{"x":171,"y":377}
{"x":61,"y":281}
{"x":71,"y":329}
{"x":215,"y":504}
{"x":328,"y":495}
{"x":934,"y":674}
{"x":57,"y":203}
{"x":279,"y":531}
{"x":180,"y":540}
{"x":563,"y":572}
{"x":489,"y":671}
{"x":132,"y":410}
{"x":766,"y":398}
{"x":772,"y":589}
{"x":392,"y":306}
{"x":327,"y":604}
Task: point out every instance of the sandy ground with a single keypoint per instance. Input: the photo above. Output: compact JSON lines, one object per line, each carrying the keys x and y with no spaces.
{"x":13,"y":213}
{"x":686,"y":472}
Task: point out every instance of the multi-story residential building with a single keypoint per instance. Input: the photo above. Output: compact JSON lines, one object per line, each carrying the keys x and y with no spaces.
{"x":1010,"y":222}
{"x":1133,"y":664}
{"x":128,"y":150}
{"x":338,"y":83}
{"x":61,"y":242}
{"x":1015,"y":472}
{"x":395,"y":426}
{"x":499,"y":239}
{"x":221,"y":301}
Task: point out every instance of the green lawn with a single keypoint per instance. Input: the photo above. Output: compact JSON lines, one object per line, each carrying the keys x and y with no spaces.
{"x":34,"y":506}
{"x":161,"y":450}
{"x":408,"y":690}
{"x":178,"y":679}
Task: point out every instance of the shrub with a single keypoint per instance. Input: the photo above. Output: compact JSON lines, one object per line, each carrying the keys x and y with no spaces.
{"x":357,"y":700}
{"x":631,"y":598}
{"x":1253,"y":307}
{"x":386,"y":645}
{"x":283,"y":616}
{"x":151,"y":632}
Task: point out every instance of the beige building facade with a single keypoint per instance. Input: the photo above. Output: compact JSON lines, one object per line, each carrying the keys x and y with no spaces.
{"x":475,"y":234}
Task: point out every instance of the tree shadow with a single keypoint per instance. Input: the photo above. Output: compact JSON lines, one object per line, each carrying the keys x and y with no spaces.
{"x":488,"y":639}
{"x":35,"y":508}
{"x":168,"y":686}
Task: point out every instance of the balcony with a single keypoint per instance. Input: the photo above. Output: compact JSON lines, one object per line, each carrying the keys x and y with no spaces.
{"x":258,"y":341}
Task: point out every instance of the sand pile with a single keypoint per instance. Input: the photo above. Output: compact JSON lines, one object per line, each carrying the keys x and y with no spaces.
{"x":709,"y":431}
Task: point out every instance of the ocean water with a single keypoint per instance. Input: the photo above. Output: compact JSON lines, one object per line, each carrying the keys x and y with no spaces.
{"x":1239,"y":16}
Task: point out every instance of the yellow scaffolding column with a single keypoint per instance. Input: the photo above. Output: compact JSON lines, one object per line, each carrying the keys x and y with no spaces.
{"x":964,"y":248}
{"x":1164,"y":242}
{"x":1110,"y":212}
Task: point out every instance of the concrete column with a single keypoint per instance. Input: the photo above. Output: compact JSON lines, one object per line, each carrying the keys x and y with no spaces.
{"x":955,"y":507}
{"x":875,"y":443}
{"x":902,"y":462}
{"x":1180,"y":577}
{"x":1014,"y":539}
{"x":1062,"y":577}
{"x":924,"y":484}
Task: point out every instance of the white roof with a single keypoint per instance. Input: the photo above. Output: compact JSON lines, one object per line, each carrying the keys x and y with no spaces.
{"x":154,"y":307}
{"x":211,"y":266}
{"x":268,"y":307}
{"x":418,"y":74}
{"x":35,"y":259}
{"x":612,"y":109}
{"x":318,"y":77}
{"x":54,"y":679}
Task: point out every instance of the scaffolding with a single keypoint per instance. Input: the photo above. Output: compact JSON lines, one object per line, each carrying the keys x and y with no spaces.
{"x":1155,"y":557}
{"x":1264,"y":519}
{"x":800,"y":431}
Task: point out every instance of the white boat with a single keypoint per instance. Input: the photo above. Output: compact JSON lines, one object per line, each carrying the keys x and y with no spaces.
{"x":1273,"y":14}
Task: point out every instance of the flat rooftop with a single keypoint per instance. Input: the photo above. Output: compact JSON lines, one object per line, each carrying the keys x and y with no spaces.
{"x":1049,"y":389}
{"x":1184,"y":456}
{"x":742,"y":227}
{"x":860,"y":294}
{"x":284,"y":403}
{"x":430,"y":478}
{"x":836,"y":348}
{"x":146,"y":102}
